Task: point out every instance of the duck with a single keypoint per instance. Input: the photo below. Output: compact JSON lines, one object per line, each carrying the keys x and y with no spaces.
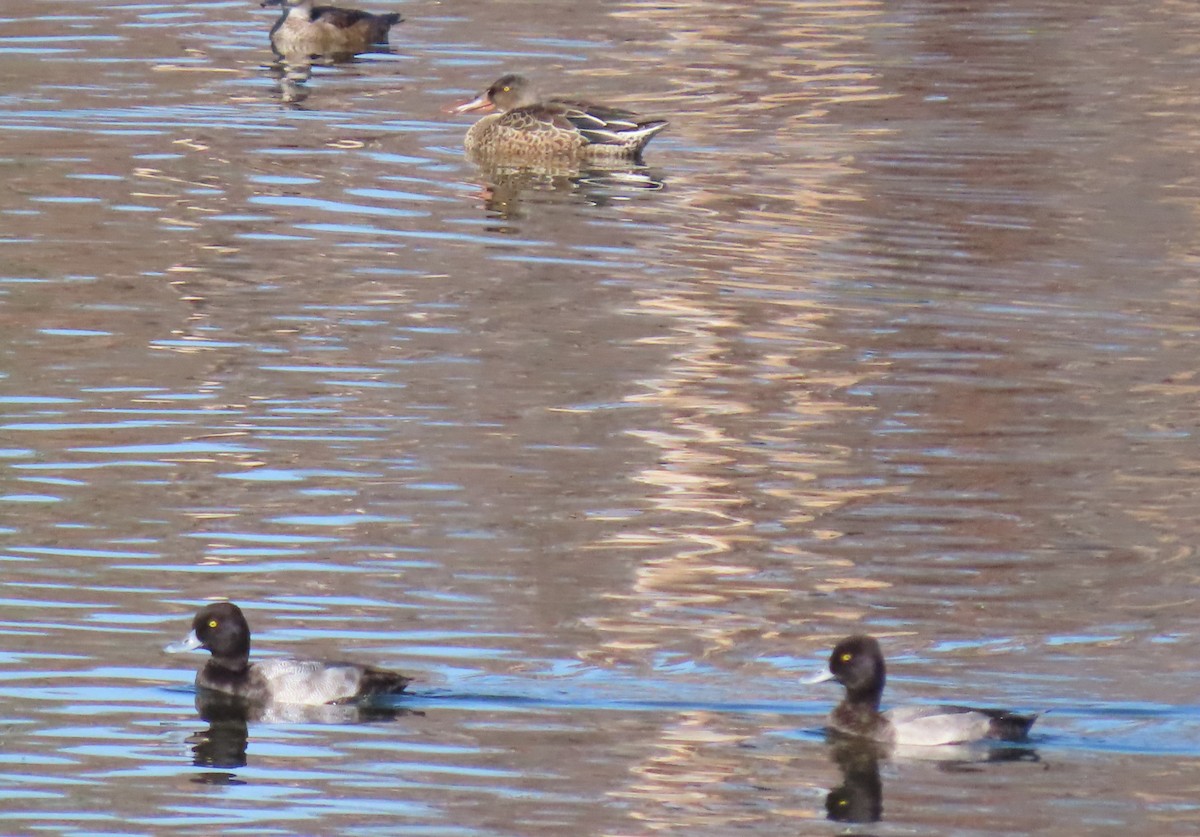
{"x":856,"y":662}
{"x":526,"y":125}
{"x":305,"y":29}
{"x":222,"y":630}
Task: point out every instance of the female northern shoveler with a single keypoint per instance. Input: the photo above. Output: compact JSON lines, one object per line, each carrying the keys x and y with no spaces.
{"x":305,"y":29}
{"x":527,"y":126}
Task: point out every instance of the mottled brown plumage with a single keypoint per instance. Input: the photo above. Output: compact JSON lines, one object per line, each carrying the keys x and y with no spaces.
{"x":529,"y":127}
{"x":305,"y":29}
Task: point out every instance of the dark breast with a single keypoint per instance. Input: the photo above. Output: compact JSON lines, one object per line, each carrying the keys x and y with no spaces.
{"x":221,"y":679}
{"x":860,"y":720}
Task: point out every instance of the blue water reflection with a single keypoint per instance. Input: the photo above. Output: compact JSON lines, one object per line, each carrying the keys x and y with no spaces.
{"x":893,"y":331}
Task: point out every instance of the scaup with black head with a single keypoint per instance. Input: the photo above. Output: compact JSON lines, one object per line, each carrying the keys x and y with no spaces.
{"x":857,"y":663}
{"x":222,"y":630}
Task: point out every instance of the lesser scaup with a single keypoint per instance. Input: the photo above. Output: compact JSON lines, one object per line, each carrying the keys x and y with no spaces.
{"x":222,"y":630}
{"x":857,"y":663}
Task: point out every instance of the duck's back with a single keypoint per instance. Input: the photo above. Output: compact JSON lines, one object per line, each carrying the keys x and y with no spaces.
{"x":372,"y":27}
{"x":934,"y":725}
{"x":313,"y":682}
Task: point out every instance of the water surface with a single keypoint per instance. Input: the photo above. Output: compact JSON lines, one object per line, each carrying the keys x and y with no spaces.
{"x":894,"y":332}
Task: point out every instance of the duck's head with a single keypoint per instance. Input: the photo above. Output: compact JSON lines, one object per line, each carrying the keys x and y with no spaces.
{"x":506,"y":93}
{"x":219,"y":628}
{"x":857,"y":663}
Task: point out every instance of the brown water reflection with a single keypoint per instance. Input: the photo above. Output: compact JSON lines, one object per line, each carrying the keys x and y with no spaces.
{"x":896,"y":331}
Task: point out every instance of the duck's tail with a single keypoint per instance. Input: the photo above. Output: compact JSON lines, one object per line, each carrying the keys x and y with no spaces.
{"x":628,"y":137}
{"x":380,"y":24}
{"x":377,"y":681}
{"x":1010,"y":726}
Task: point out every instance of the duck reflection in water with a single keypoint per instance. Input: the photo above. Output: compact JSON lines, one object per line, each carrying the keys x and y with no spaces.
{"x":512,"y":193}
{"x":859,"y":798}
{"x":292,"y":75}
{"x":225,"y":742}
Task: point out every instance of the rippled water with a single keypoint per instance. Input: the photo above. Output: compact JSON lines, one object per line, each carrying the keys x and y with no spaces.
{"x":895,"y":332}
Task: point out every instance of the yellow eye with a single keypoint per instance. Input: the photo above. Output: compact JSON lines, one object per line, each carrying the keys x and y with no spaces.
{"x":505,"y":89}
{"x":212,"y":623}
{"x":847,"y":657}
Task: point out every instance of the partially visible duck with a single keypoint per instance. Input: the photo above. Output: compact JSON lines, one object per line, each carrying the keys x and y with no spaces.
{"x":527,"y":126}
{"x":305,"y":29}
{"x":857,"y":663}
{"x":222,"y":630}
